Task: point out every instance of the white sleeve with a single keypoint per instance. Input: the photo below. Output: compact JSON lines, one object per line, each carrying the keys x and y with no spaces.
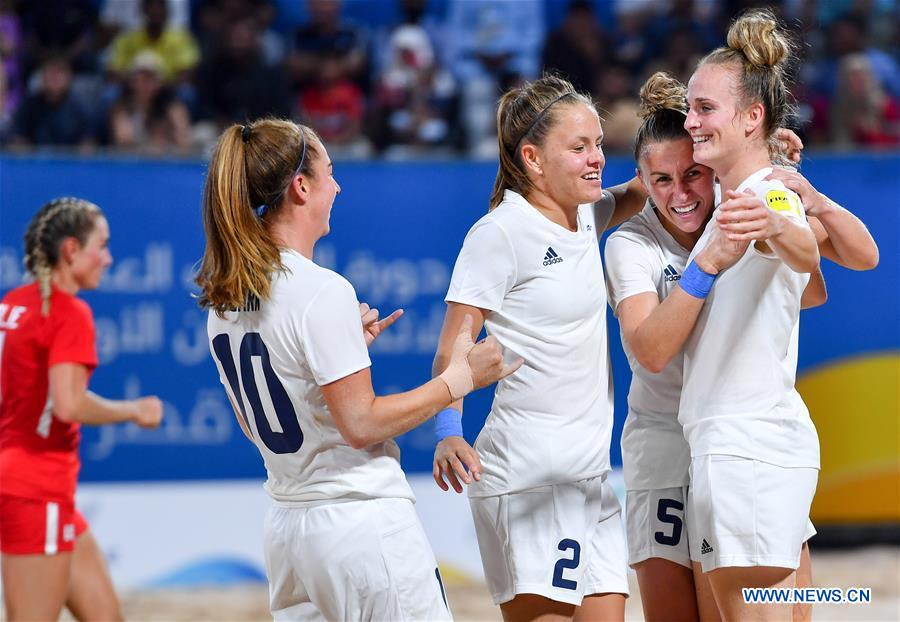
{"x":331,"y":330}
{"x":485,"y":270}
{"x":603,"y":212}
{"x":630,"y":269}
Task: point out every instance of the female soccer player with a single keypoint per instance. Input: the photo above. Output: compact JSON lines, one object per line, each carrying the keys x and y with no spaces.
{"x":549,"y":529}
{"x":47,"y":355}
{"x":754,"y":449}
{"x":644,"y":260}
{"x":342,"y":540}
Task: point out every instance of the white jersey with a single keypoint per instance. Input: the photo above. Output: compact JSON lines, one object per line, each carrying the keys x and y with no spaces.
{"x":543,"y":285}
{"x":273,"y":356}
{"x":641,"y":256}
{"x":740,"y":361}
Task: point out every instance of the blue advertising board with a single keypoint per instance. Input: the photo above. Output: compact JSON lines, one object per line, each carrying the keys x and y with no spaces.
{"x":395,"y":232}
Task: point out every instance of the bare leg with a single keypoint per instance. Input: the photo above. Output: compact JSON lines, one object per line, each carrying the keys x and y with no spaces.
{"x":727,"y":584}
{"x":34,"y":586}
{"x":803,"y":611}
{"x":667,"y":590}
{"x":534,"y":608}
{"x":91,"y":594}
{"x":706,"y":601}
{"x":602,"y":608}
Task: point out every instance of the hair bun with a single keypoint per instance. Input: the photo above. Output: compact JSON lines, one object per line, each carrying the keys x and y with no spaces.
{"x":662,"y":91}
{"x":756,"y":35}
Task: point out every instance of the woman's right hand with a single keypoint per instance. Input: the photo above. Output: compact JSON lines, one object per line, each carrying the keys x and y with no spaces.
{"x":456,"y":460}
{"x":148,"y":412}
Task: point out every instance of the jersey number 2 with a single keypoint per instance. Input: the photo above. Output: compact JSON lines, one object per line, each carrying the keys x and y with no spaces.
{"x":290,"y":438}
{"x":567,"y":544}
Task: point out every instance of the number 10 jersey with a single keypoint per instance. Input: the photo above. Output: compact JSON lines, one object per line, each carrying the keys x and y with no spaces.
{"x":273,"y":357}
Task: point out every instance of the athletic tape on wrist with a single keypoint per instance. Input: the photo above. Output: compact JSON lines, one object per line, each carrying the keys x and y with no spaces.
{"x":448,"y":422}
{"x":696,"y":282}
{"x":458,"y":378}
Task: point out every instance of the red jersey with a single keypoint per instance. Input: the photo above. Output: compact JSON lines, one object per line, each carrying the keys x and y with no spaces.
{"x":38,"y":452}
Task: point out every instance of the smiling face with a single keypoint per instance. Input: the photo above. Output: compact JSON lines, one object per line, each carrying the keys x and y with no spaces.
{"x":681,"y":188}
{"x":323,"y":190}
{"x":90,"y":260}
{"x":714,"y":119}
{"x":569,"y":164}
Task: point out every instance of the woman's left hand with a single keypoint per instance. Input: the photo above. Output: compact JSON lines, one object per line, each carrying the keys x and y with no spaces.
{"x":372,"y":327}
{"x":790,"y":144}
{"x":746,"y":217}
{"x":813,"y":201}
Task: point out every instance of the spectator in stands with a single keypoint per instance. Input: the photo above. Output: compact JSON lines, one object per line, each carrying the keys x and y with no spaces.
{"x":53,"y":116}
{"x":175,"y":46}
{"x":60,"y":28}
{"x":118,"y":16}
{"x":415,"y":99}
{"x":148,"y":117}
{"x":630,"y":45}
{"x":10,"y":64}
{"x":681,"y":52}
{"x":847,"y":35}
{"x":862,"y":112}
{"x":236,"y":84}
{"x":578,"y":47}
{"x":616,"y":98}
{"x":491,"y":45}
{"x":327,"y":36}
{"x":215,"y":16}
{"x":333,"y":105}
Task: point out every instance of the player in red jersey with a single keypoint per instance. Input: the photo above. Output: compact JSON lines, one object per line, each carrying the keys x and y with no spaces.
{"x":47,"y":353}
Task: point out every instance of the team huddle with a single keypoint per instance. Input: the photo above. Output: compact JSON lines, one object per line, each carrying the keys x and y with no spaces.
{"x":716,"y":251}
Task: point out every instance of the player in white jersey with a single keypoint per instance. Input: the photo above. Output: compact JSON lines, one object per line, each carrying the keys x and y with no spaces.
{"x":530,"y":271}
{"x":342,"y":539}
{"x":754,"y":449}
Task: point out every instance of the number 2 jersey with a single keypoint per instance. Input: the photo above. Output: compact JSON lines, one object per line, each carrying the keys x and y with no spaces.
{"x":38,"y":452}
{"x":273,"y":357}
{"x":551,"y":421}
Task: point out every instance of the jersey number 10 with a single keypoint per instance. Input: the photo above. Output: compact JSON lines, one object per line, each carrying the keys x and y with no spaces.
{"x":290,"y":438}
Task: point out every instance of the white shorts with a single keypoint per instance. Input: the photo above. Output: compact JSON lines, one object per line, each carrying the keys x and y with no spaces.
{"x":359,"y":560}
{"x":656,"y":525}
{"x":744,"y":512}
{"x":563,"y":541}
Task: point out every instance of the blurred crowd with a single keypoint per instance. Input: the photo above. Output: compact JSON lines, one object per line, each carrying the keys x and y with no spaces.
{"x":399,"y":78}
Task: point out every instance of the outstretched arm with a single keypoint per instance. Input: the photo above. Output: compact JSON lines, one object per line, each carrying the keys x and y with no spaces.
{"x":364,"y":419}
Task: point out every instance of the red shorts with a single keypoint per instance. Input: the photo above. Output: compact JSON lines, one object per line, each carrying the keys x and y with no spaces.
{"x":37,"y":527}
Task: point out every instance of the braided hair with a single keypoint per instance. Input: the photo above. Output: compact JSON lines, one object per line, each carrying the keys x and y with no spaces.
{"x":57,"y":220}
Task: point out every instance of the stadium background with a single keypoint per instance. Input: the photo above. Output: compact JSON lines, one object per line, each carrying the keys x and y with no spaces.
{"x":182,"y":505}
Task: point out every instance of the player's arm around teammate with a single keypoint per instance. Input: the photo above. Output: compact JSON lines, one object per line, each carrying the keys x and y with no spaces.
{"x":50,"y":558}
{"x":842,"y":237}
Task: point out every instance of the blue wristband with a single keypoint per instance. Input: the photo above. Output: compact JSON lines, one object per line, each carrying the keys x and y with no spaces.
{"x":448,"y":422}
{"x":696,"y":282}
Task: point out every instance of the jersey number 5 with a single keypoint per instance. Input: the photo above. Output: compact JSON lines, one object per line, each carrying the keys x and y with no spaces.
{"x":290,"y":438}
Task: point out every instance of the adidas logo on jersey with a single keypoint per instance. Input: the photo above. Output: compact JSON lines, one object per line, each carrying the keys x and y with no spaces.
{"x":705,"y":547}
{"x":671,"y":273}
{"x":551,"y":257}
